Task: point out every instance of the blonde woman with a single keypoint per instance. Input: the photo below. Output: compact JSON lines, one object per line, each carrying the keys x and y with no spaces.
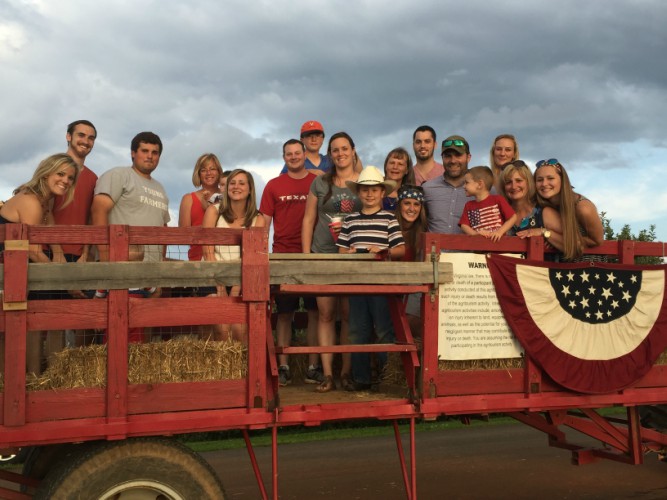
{"x":504,"y":149}
{"x":206,"y":176}
{"x":31,"y":204}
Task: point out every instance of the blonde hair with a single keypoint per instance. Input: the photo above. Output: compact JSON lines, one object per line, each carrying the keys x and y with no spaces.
{"x":524,"y":172}
{"x":39,"y":186}
{"x":565,"y":203}
{"x":201,"y":161}
{"x":496,"y":168}
{"x":251,"y":211}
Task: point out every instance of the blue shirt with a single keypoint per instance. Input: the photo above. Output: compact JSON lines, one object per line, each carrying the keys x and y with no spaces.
{"x":325,"y":164}
{"x":444,"y":205}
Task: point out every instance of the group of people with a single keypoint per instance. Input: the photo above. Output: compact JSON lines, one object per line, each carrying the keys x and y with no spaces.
{"x":319,"y":203}
{"x":63,"y":190}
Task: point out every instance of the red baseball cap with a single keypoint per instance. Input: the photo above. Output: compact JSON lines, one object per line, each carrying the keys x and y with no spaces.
{"x":311,"y":126}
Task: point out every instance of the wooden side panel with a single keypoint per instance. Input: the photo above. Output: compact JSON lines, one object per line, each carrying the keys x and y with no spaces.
{"x":186,"y":396}
{"x":117,"y":331}
{"x":257,"y":352}
{"x":255,"y":265}
{"x":44,"y":406}
{"x":146,"y":235}
{"x":186,"y":311}
{"x":81,"y":314}
{"x":15,"y":305}
{"x":429,"y":313}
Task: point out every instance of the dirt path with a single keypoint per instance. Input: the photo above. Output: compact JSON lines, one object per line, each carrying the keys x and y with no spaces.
{"x":485,"y":462}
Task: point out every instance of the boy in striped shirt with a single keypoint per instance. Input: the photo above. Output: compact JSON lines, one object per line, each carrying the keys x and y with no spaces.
{"x":372,"y":230}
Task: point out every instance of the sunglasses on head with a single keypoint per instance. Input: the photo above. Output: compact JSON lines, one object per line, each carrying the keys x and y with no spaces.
{"x":455,"y":142}
{"x":515,"y":164}
{"x":550,"y":161}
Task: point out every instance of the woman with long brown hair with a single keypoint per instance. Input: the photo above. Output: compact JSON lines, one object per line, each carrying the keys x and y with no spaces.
{"x":581,"y":226}
{"x":328,"y":202}
{"x":411,"y":216}
{"x":238,"y":209}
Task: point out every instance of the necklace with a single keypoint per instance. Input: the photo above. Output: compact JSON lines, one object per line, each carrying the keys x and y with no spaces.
{"x":45,"y":210}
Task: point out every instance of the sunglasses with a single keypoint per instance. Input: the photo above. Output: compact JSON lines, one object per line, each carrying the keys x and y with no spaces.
{"x":550,"y":161}
{"x":515,"y":164}
{"x":527,"y":222}
{"x":455,"y":142}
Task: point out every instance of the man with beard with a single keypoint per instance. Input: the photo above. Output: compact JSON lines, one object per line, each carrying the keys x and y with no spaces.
{"x":80,"y":137}
{"x":130,"y":195}
{"x":423,"y":142}
{"x":444,"y":196}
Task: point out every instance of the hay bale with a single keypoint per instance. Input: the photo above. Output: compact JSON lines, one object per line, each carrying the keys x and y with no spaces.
{"x":481,"y":364}
{"x":393,"y":372}
{"x":179,"y":360}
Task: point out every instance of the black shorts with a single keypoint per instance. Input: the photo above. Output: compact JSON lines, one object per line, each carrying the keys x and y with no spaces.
{"x":290,"y":303}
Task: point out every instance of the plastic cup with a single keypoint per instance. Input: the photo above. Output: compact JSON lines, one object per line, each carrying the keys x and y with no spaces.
{"x":334,"y":226}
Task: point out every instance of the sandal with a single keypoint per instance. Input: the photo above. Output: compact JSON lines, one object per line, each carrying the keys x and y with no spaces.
{"x":326,"y":385}
{"x":346,"y":382}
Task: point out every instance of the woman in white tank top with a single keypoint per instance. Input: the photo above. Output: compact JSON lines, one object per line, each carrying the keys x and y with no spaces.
{"x":237,"y":210}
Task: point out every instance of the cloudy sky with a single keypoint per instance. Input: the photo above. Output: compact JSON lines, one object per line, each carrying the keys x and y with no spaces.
{"x":585,"y":82}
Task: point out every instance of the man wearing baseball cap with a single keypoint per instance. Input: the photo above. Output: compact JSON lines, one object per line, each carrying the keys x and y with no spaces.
{"x":312,"y":136}
{"x":444,"y":196}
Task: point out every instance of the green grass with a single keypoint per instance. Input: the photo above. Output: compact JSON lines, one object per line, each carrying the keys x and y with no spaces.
{"x":327,"y":432}
{"x":226,"y":440}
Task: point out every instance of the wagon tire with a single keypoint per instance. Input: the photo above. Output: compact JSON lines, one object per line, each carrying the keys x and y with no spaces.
{"x":144,"y":468}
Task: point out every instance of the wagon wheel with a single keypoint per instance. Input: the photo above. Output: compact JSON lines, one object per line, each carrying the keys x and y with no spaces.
{"x":137,"y":469}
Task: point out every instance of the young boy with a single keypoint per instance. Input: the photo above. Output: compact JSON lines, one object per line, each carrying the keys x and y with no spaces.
{"x":489,"y":214}
{"x":372,"y":230}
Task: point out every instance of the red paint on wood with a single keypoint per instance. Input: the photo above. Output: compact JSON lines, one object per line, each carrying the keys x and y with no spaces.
{"x":186,"y":311}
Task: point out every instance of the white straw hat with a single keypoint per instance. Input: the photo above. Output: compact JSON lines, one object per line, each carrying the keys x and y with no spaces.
{"x":371,"y":176}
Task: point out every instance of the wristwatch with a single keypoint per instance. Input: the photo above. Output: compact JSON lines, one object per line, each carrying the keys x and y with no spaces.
{"x":546,"y":233}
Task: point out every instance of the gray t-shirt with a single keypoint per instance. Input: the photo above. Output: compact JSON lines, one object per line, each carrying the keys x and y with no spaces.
{"x":138,"y":201}
{"x":342,"y":202}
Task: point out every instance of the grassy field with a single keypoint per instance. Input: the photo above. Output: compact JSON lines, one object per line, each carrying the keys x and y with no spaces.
{"x":332,"y":431}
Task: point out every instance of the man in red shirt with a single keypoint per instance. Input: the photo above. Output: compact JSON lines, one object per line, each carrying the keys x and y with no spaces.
{"x":80,"y":136}
{"x":284,"y":203}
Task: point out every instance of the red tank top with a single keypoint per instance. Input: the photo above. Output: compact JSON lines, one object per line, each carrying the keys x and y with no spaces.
{"x":196,"y":218}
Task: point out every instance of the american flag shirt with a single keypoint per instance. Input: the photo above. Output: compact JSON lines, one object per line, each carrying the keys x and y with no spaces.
{"x":488,"y":214}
